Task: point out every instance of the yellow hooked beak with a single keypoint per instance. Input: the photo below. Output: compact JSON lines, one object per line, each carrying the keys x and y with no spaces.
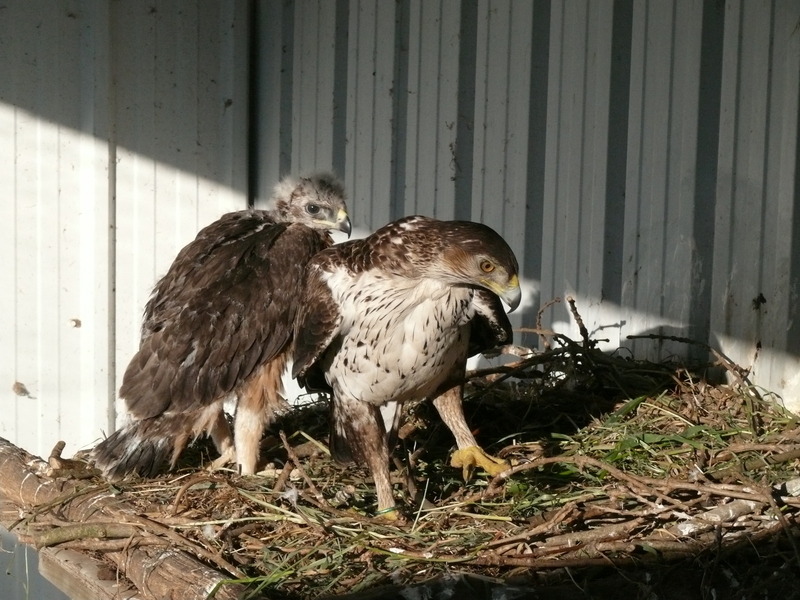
{"x":511,"y":294}
{"x":343,"y":222}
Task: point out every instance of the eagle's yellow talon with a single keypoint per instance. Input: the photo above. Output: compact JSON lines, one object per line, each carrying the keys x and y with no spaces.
{"x":390,"y":514}
{"x":474,"y":456}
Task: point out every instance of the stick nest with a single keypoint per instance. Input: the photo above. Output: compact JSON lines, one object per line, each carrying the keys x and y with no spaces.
{"x":620,"y":467}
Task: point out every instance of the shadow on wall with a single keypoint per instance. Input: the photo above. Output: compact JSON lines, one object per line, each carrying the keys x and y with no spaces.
{"x":182,"y":102}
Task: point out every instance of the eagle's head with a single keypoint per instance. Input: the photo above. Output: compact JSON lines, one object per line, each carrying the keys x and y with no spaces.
{"x":456,"y":252}
{"x":316,"y":200}
{"x":475,"y":254}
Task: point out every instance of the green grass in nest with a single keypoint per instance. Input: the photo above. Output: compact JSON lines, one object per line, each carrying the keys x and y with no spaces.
{"x":611,"y":457}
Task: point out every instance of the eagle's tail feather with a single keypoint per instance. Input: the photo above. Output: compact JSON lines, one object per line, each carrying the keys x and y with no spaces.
{"x":141,"y":447}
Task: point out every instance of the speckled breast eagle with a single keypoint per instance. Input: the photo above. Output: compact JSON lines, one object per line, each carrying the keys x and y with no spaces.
{"x":219,"y":325}
{"x":394,"y":317}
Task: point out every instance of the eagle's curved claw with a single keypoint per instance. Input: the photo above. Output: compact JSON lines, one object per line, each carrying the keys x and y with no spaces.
{"x":227,"y":457}
{"x":474,"y":456}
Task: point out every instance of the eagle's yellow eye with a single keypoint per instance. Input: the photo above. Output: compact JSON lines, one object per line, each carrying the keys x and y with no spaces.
{"x":487,"y":266}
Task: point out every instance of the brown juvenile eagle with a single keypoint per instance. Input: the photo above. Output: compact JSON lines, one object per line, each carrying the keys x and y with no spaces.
{"x":219,"y":325}
{"x":393,"y":317}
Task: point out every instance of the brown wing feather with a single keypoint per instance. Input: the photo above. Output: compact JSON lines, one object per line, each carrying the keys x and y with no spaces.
{"x":317,"y":324}
{"x":199,"y":262}
{"x":209,"y":332}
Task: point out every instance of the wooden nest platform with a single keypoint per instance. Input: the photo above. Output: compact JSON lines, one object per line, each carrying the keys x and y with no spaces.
{"x":628,"y":479}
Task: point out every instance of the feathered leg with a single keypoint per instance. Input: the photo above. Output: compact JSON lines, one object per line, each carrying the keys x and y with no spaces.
{"x":222,"y":437}
{"x":359,"y":427}
{"x":260,"y":401}
{"x":469,"y":454}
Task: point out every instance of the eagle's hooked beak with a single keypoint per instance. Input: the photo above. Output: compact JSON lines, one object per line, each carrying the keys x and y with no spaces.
{"x":343,"y":222}
{"x":512,"y":294}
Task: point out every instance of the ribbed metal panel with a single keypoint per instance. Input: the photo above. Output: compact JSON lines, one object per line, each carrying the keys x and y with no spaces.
{"x":502,"y":92}
{"x":370,"y":84}
{"x":314,"y":37}
{"x":122,"y":131}
{"x":576,"y":168}
{"x":55,"y":304}
{"x":757,"y":227}
{"x":181,"y":151}
{"x":431,"y":109}
{"x":640,"y":156}
{"x":659,"y":250}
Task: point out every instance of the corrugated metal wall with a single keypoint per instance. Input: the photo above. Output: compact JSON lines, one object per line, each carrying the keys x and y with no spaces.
{"x":56,"y":310}
{"x":123,"y":130}
{"x":641,"y":156}
{"x":181,"y":110}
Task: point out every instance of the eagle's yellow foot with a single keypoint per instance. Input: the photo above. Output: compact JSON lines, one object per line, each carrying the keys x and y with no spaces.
{"x":389,"y":514}
{"x":474,"y":456}
{"x":227,"y":457}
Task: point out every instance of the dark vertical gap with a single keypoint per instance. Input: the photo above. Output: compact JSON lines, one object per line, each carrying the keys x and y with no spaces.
{"x":111,"y":124}
{"x":666,"y":250}
{"x":617,"y":149}
{"x":579,"y":175}
{"x":340,"y":86}
{"x":706,"y":173}
{"x":439,"y":165}
{"x":376,"y":43}
{"x":537,"y":138}
{"x":397,"y":186}
{"x":732,"y":298}
{"x":465,"y":127}
{"x":766,"y":225}
{"x":793,"y":332}
{"x":253,"y":108}
{"x":287,"y":86}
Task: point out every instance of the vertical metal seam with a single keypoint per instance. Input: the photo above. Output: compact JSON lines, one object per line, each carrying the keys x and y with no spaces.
{"x":792,"y":337}
{"x":582,"y":151}
{"x":485,"y":112}
{"x":437,"y":137}
{"x":735,"y":150}
{"x":318,"y":84}
{"x":465,"y":110}
{"x":556,"y":141}
{"x":668,"y":158}
{"x":253,"y":83}
{"x":374,"y":120}
{"x":340,"y":83}
{"x":16,"y":261}
{"x":112,"y":217}
{"x":418,"y":109}
{"x":287,"y":88}
{"x":617,"y":141}
{"x":398,"y":172}
{"x":355,"y":84}
{"x":765,"y":165}
{"x":506,"y":120}
{"x":640,"y":152}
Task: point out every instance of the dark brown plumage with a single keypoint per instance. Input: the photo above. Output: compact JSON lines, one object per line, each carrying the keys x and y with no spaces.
{"x":219,"y":325}
{"x":393,"y":317}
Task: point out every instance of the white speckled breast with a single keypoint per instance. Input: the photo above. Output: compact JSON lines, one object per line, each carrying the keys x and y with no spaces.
{"x":408,"y":334}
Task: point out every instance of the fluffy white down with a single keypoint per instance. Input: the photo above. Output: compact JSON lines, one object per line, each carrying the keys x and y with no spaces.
{"x":409,"y":334}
